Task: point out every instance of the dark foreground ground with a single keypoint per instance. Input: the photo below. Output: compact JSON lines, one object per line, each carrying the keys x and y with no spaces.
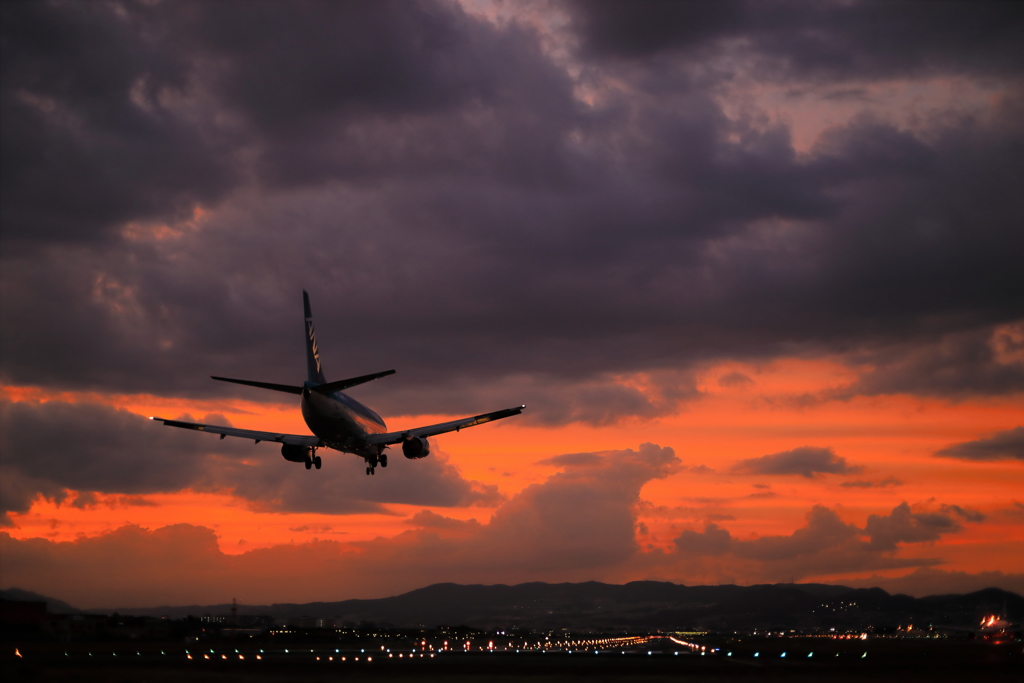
{"x":807,"y":659}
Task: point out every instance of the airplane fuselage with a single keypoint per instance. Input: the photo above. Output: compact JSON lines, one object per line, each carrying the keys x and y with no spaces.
{"x":341,"y":421}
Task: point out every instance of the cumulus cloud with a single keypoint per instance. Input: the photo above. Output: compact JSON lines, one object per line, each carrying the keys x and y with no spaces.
{"x":734,"y":379}
{"x":902,"y":525}
{"x":580,"y":522}
{"x":53,"y":447}
{"x":967,"y":514}
{"x":1008,"y":445}
{"x":824,"y":530}
{"x":825,"y":545}
{"x":806,"y":461}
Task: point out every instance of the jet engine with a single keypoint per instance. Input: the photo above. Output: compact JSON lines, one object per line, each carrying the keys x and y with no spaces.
{"x":415,"y":447}
{"x":295,"y":453}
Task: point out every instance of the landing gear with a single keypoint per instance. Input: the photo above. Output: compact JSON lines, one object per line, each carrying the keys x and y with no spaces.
{"x":309,"y":462}
{"x":383,"y":459}
{"x":316,"y":461}
{"x":369,"y":470}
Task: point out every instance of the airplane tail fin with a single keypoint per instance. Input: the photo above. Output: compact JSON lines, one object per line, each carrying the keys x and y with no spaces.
{"x":314,"y":370}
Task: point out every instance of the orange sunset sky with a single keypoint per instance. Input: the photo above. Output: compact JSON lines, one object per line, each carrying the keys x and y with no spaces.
{"x":754,"y":269}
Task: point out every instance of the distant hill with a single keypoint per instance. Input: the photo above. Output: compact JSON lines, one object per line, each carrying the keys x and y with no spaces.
{"x":637,"y":606}
{"x":53,"y":606}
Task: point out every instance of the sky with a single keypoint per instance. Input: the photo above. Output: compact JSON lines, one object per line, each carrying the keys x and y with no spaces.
{"x":754,"y":268}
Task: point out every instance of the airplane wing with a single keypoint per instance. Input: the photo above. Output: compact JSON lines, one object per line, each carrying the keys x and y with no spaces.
{"x":292,"y":439}
{"x":434,"y":430}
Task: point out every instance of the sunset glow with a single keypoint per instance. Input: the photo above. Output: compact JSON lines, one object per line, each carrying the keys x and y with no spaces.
{"x":753,"y":268}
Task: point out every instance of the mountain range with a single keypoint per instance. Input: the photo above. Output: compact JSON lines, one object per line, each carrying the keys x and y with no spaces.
{"x":640,"y":605}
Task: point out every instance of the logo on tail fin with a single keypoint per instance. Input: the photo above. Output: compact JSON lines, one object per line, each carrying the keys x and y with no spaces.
{"x":312,"y":343}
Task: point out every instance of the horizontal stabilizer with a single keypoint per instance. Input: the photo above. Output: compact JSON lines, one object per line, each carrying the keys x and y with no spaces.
{"x":286,"y":388}
{"x":343,"y":384}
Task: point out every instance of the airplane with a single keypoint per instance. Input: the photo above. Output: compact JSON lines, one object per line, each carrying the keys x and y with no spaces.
{"x":337,"y":420}
{"x":996,"y":628}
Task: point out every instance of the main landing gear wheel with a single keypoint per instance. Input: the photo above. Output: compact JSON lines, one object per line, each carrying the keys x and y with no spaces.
{"x":317,"y":462}
{"x":383,"y":460}
{"x":368,"y":470}
{"x":309,"y":463}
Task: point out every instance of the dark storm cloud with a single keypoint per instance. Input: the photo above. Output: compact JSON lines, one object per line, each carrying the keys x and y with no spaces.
{"x":114,"y":112}
{"x":50,"y":448}
{"x":458,"y":213}
{"x":87,"y":141}
{"x":824,"y":39}
{"x":955,"y":365}
{"x":806,"y":461}
{"x":1008,"y":445}
{"x":54,"y":446}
